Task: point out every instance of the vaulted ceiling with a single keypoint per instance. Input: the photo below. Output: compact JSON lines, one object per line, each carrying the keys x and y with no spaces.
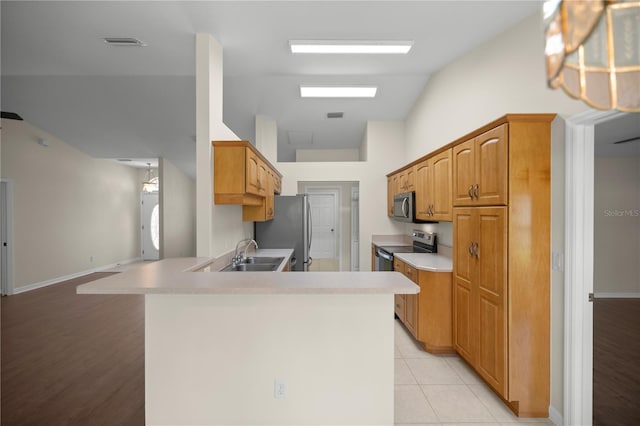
{"x":112,"y":102}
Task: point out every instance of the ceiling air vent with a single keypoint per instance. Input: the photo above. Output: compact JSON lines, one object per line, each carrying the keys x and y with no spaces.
{"x":124,"y":41}
{"x":335,"y":114}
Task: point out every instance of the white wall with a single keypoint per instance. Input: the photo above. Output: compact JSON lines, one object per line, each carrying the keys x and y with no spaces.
{"x":505,"y":75}
{"x":72,"y":213}
{"x":327,"y":155}
{"x":335,"y":353}
{"x":219,"y":227}
{"x":384,"y":156}
{"x":617,"y":227}
{"x":178,"y":214}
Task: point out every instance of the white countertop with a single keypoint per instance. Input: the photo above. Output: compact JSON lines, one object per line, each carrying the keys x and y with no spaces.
{"x":391,"y":240}
{"x":175,"y":276}
{"x":427,"y":261}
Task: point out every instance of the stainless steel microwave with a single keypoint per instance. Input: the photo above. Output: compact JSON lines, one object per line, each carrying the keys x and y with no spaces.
{"x":404,"y":207}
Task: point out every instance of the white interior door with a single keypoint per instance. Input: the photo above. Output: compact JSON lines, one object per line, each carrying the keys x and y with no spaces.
{"x":325,"y":241}
{"x":150,"y":226}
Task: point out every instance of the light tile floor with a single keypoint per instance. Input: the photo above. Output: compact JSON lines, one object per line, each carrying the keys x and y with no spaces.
{"x":443,"y":390}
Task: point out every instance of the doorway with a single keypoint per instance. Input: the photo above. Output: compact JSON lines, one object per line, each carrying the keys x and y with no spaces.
{"x":325,"y":251}
{"x":6,"y":237}
{"x":334,"y":207}
{"x":579,"y":271}
{"x":149,"y":226}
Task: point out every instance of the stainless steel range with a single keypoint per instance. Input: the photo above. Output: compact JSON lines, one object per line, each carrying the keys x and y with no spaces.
{"x":423,"y":242}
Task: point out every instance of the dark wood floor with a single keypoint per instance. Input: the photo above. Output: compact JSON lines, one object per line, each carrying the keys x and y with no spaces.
{"x":616,"y":362}
{"x":71,"y":359}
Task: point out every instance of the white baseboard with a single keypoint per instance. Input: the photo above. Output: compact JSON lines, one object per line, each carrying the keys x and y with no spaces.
{"x":57,"y":280}
{"x":555,"y":416}
{"x":607,"y":295}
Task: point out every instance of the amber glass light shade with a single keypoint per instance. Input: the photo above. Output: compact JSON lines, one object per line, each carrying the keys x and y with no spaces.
{"x":593,"y":51}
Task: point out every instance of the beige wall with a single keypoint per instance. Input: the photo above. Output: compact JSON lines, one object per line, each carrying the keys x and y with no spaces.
{"x":72,"y":213}
{"x":327,"y":155}
{"x":505,"y":75}
{"x":338,"y":370}
{"x":617,"y":227}
{"x":383,"y":157}
{"x":178,"y":214}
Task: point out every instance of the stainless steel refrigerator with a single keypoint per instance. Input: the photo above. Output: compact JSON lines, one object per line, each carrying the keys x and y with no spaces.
{"x":290,"y":228}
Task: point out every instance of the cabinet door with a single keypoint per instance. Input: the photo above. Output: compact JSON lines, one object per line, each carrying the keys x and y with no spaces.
{"x":252,"y":172}
{"x":423,"y":190}
{"x":463,"y":291}
{"x":440,"y":189}
{"x":411,"y":303}
{"x":410,"y":179}
{"x":398,"y":266}
{"x":391,"y":187}
{"x":463,"y":173}
{"x":490,"y":280}
{"x":491,"y":167}
{"x":401,"y":182}
{"x":263,"y":177}
{"x":269,"y":200}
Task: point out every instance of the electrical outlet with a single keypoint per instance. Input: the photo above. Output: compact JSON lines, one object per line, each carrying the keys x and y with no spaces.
{"x":557,"y":261}
{"x":280,"y":389}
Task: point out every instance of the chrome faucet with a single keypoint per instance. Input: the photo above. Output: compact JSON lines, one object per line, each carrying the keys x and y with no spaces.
{"x":247,"y":247}
{"x":238,"y":258}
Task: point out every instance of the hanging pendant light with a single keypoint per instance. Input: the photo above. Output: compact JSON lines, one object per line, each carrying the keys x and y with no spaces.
{"x":593,"y":51}
{"x":149,"y":185}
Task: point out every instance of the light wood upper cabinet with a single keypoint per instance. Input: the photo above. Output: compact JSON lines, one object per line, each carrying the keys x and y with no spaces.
{"x":480,"y":169}
{"x":433,"y":193}
{"x":390,"y":193}
{"x":405,"y":180}
{"x":242,"y":176}
{"x":397,"y":183}
{"x":264,"y":211}
{"x":253,"y":162}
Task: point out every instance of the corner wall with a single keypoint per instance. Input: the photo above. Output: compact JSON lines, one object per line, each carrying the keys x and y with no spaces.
{"x":72,"y":213}
{"x":178,"y":217}
{"x":219,"y":227}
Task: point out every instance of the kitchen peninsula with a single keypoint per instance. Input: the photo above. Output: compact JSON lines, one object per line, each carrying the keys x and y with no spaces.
{"x":264,"y":347}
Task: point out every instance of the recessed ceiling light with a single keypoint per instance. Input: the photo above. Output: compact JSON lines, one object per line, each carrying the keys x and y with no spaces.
{"x":337,"y":92}
{"x":124,"y":41}
{"x":350,"y":46}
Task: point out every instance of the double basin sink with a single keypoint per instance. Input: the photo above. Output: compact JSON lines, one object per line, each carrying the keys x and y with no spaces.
{"x":255,"y":264}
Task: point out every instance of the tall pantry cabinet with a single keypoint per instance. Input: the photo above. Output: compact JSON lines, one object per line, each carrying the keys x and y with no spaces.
{"x":501,"y":266}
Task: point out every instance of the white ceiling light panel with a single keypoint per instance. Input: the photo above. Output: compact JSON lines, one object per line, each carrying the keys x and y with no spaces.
{"x":350,"y":46}
{"x":338,"y":91}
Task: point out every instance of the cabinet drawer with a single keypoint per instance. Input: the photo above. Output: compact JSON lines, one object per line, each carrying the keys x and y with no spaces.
{"x":400,"y":303}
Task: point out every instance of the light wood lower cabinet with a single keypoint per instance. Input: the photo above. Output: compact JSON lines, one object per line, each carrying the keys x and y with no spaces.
{"x":427,"y":315}
{"x":480,"y":275}
{"x":501,"y":262}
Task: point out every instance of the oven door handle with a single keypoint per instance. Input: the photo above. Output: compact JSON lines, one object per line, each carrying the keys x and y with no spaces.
{"x":384,"y":255}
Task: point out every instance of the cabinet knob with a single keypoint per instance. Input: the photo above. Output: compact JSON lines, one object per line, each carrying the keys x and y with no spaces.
{"x":475,"y":191}
{"x":471,"y":191}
